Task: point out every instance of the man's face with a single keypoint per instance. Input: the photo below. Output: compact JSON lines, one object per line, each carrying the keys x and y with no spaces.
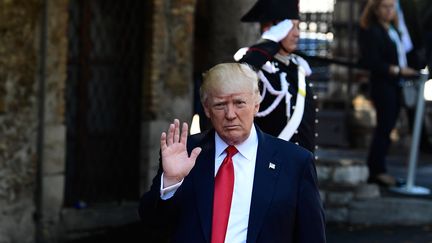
{"x":289,"y":43}
{"x":232,"y":114}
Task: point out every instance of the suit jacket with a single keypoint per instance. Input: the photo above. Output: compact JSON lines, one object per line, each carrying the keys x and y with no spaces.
{"x":285,"y":206}
{"x":275,"y":122}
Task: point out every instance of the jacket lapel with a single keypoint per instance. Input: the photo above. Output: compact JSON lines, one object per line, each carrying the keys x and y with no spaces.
{"x":388,"y":41}
{"x":204,"y":183}
{"x":266,"y":173}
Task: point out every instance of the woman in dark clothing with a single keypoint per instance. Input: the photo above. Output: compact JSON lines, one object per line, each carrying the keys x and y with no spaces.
{"x":383,"y":54}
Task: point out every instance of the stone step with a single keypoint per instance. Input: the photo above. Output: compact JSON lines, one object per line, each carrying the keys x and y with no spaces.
{"x":390,"y":211}
{"x":342,"y":171}
{"x":342,"y":176}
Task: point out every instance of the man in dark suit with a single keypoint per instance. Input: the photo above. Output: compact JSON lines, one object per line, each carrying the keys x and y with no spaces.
{"x":264,"y":190}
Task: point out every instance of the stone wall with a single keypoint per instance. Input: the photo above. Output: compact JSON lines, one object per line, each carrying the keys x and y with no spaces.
{"x":342,"y":182}
{"x":168,"y":83}
{"x":227,"y":33}
{"x":18,"y":67}
{"x":169,"y":76}
{"x":219,"y":32}
{"x":54,"y":143}
{"x":20,"y":63}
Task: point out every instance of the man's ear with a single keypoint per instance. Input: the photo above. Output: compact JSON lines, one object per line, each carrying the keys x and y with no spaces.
{"x":256,"y":108}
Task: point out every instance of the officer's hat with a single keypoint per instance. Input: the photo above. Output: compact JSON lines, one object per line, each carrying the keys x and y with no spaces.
{"x":271,"y":10}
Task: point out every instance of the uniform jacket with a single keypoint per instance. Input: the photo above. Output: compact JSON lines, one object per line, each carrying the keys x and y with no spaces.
{"x":273,"y":123}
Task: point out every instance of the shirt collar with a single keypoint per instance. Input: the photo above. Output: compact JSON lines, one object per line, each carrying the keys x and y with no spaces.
{"x":247,"y":148}
{"x":285,"y":59}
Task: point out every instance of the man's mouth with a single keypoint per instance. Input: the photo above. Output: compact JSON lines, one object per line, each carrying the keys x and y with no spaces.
{"x":231,"y":127}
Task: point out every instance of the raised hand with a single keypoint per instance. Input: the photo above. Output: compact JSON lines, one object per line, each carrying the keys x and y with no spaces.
{"x":175,"y":159}
{"x":279,"y":31}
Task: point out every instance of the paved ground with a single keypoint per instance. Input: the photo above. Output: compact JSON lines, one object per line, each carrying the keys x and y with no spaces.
{"x":335,"y":234}
{"x":387,"y":234}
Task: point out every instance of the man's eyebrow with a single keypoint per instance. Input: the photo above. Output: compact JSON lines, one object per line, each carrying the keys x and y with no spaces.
{"x":242,"y":96}
{"x":218,"y":101}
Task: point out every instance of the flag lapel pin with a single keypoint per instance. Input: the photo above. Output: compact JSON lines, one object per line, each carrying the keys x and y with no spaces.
{"x":272,"y":166}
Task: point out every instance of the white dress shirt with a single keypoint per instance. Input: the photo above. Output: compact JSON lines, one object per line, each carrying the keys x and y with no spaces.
{"x":244,"y":169}
{"x":394,"y":36}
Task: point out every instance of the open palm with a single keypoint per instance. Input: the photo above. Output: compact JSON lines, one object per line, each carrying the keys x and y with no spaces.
{"x":175,"y":159}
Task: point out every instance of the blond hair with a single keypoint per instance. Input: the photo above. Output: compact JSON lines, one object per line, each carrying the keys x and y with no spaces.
{"x":369,"y":15}
{"x":227,"y":77}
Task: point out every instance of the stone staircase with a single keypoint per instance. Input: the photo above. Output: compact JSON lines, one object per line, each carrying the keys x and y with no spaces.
{"x":342,"y":176}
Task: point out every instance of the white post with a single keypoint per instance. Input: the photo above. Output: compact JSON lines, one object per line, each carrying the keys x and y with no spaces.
{"x":410,"y":188}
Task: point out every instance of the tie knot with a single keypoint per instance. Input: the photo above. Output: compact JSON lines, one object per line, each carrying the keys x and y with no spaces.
{"x":231,"y":151}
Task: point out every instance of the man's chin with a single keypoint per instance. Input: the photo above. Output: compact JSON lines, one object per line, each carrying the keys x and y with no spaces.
{"x":233,"y":136}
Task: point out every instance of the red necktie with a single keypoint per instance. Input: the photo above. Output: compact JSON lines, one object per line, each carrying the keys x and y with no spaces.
{"x":224,"y":184}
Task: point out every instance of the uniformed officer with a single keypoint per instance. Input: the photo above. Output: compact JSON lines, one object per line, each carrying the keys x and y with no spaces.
{"x":288,"y":107}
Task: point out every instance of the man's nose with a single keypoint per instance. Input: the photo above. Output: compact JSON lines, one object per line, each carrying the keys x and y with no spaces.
{"x":230,"y":112}
{"x":296,"y":32}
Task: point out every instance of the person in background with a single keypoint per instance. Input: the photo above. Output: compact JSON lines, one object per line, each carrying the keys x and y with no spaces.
{"x":264,"y":190}
{"x":288,"y":109}
{"x":382,"y":52}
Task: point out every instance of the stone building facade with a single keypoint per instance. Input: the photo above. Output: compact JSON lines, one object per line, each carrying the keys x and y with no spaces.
{"x":18,"y":113}
{"x":36,"y":66}
{"x":80,"y":79}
